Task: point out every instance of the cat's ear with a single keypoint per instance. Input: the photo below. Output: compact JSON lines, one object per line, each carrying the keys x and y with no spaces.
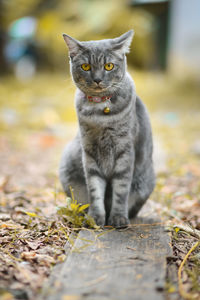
{"x":73,"y":45}
{"x":122,"y":43}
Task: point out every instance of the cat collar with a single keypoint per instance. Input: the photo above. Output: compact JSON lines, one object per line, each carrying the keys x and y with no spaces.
{"x":98,"y":99}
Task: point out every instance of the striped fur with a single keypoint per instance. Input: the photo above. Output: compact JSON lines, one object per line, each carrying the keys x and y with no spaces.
{"x":109,"y":163}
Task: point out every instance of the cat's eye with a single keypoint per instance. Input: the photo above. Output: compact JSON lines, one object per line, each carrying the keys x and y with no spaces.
{"x":108,"y":66}
{"x":86,"y":67}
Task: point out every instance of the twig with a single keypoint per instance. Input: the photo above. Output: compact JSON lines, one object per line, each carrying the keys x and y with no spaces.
{"x":192,"y":231}
{"x":179,"y":249}
{"x":11,"y":256}
{"x":130,"y":248}
{"x":184,"y":294}
{"x":93,"y":282}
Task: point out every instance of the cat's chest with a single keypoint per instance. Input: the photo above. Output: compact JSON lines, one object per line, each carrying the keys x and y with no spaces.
{"x":101,"y":142}
{"x":103,"y":145}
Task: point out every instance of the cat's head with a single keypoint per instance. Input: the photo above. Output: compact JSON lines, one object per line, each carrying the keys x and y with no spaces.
{"x":98,"y":67}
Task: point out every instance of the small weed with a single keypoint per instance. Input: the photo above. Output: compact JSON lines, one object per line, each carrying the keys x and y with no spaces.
{"x":75,"y":213}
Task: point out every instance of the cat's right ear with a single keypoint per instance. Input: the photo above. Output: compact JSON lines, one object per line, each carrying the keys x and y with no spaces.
{"x":73,"y":45}
{"x":122,"y":43}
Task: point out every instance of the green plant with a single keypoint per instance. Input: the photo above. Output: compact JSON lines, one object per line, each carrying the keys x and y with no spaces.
{"x":75,"y":213}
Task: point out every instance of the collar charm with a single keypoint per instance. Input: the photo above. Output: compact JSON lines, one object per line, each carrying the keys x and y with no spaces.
{"x":106,"y":110}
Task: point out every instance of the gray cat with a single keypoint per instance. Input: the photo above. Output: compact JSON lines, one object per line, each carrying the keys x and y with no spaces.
{"x":109,"y":163}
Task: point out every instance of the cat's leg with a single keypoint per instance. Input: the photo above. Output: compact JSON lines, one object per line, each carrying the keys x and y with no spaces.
{"x":121,"y":184}
{"x":96,"y":185}
{"x":141,"y":188}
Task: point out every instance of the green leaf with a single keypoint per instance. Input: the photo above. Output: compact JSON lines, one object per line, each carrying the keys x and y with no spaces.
{"x":62,"y":210}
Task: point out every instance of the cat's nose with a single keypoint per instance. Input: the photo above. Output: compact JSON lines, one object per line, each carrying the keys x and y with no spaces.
{"x":97,"y":80}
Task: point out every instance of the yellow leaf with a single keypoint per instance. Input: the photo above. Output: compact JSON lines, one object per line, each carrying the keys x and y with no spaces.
{"x":70,"y":297}
{"x":176,"y":229}
{"x":30,"y":214}
{"x":74,"y":206}
{"x":83,"y":207}
{"x":7,"y":296}
{"x":171,"y":289}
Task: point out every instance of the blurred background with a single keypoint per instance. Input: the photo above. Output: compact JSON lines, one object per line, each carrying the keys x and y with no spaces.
{"x":37,"y":113}
{"x":37,"y":116}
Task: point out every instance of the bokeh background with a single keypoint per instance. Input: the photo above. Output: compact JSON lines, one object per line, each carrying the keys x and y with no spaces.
{"x":37,"y":114}
{"x":37,"y":118}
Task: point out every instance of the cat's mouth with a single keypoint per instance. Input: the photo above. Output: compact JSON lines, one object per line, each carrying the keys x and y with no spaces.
{"x":98,"y":88}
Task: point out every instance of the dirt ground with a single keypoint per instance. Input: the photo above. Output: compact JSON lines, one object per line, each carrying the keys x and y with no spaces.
{"x":36,"y":119}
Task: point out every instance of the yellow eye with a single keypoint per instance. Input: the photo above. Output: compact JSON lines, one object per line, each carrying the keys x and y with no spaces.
{"x":86,"y":67}
{"x":108,"y":66}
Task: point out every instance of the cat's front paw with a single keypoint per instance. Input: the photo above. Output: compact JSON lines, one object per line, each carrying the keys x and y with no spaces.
{"x":99,"y":218}
{"x":118,"y":221}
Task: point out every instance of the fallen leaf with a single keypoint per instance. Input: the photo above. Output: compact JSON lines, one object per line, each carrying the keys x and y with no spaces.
{"x":28,"y":255}
{"x":70,"y":297}
{"x":138,"y":276}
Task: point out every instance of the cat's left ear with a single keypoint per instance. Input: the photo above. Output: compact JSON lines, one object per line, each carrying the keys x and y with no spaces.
{"x":122,"y":43}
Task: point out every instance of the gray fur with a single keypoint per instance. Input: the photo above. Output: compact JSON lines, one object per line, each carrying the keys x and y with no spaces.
{"x":109,"y":163}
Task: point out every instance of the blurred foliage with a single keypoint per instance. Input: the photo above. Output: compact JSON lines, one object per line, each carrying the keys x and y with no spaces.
{"x":44,"y":102}
{"x":84,"y":20}
{"x":47,"y":101}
